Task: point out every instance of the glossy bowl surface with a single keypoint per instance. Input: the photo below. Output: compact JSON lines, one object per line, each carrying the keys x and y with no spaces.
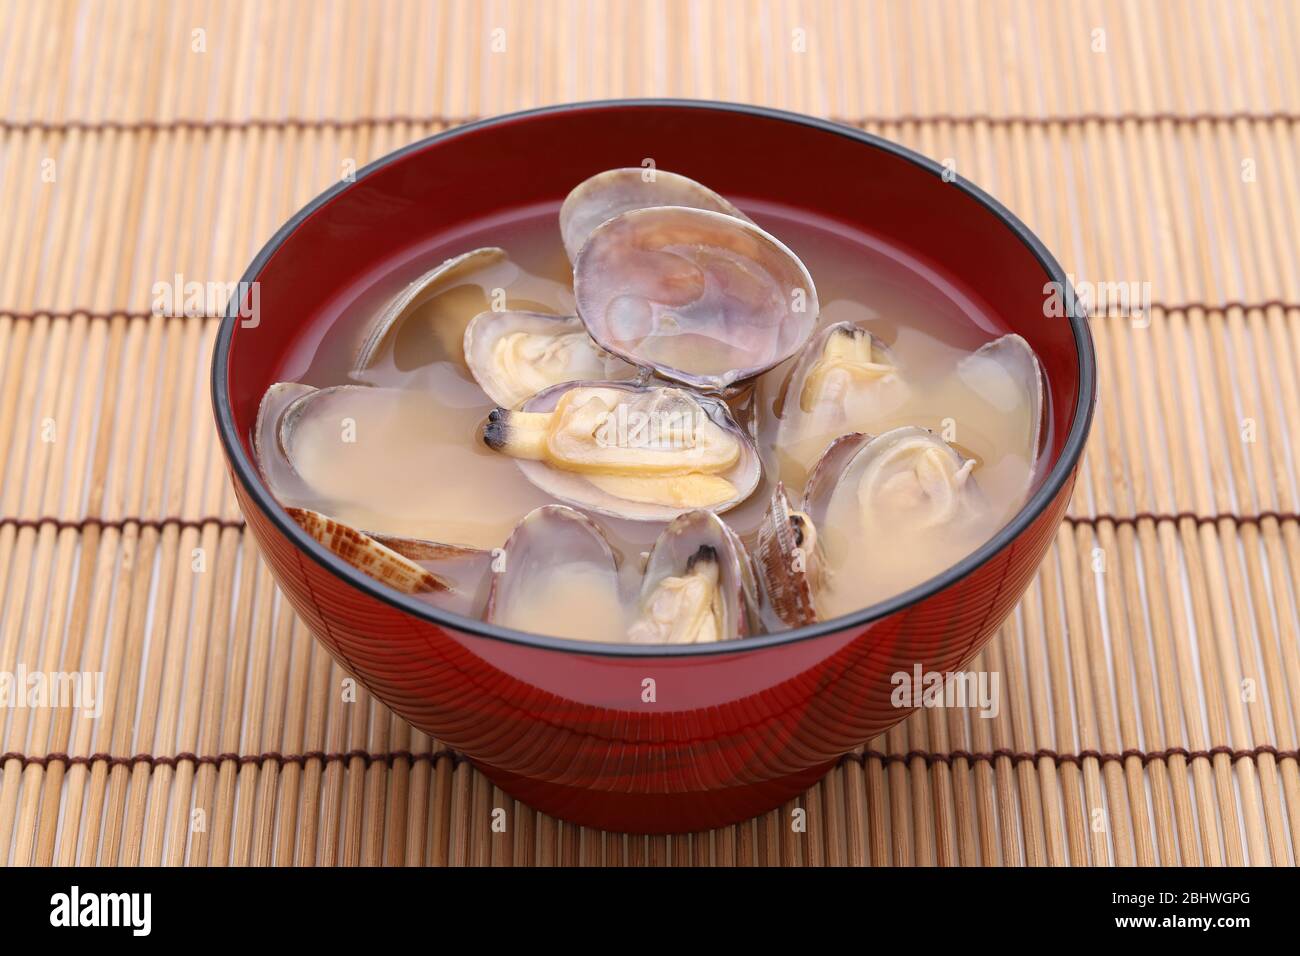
{"x":618,"y":736}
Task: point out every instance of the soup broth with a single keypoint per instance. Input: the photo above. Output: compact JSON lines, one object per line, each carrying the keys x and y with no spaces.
{"x":399,"y":449}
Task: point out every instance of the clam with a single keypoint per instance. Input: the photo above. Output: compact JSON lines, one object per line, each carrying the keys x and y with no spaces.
{"x":365,"y":553}
{"x":907,"y":478}
{"x":513,"y":355}
{"x":384,"y":460}
{"x":647,"y":453}
{"x":1006,"y":374}
{"x":700,"y":297}
{"x":788,"y":561}
{"x":698,"y":586}
{"x":555,"y":561}
{"x":891,"y":511}
{"x":412,"y":565}
{"x":602,"y":197}
{"x":845,"y":380}
{"x":383,"y":331}
{"x":277,"y":471}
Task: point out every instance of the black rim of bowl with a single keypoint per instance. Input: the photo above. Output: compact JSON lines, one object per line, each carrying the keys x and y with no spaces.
{"x":248,"y":474}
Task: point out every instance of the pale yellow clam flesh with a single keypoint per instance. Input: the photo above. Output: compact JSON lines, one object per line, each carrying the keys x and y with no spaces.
{"x":915,"y":484}
{"x":845,"y":381}
{"x":642,"y":452}
{"x":698,"y":586}
{"x":851,"y":358}
{"x":891,"y":511}
{"x":513,"y":354}
{"x":683,"y":609}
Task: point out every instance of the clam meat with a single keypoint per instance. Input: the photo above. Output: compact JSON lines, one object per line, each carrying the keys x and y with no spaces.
{"x":425,"y":322}
{"x":845,"y":380}
{"x":514,"y":355}
{"x":647,"y":453}
{"x":698,"y":586}
{"x":891,"y":511}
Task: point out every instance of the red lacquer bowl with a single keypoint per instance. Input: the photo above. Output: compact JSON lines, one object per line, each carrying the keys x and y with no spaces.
{"x":733,"y":729}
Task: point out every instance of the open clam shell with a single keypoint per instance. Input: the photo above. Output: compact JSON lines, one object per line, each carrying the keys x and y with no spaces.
{"x":891,"y":511}
{"x":646,"y":453}
{"x":385,"y":460}
{"x":845,"y":380}
{"x":382,"y":332}
{"x":1007,"y":375}
{"x":700,"y":297}
{"x":277,"y":471}
{"x":381,"y":562}
{"x":828,"y":472}
{"x":698,"y":585}
{"x":513,"y":355}
{"x":557,"y":561}
{"x":455,"y":568}
{"x":602,"y":197}
{"x":788,"y":561}
{"x":907,"y":478}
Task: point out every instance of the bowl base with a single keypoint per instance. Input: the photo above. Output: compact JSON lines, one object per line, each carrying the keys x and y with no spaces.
{"x":655,"y":812}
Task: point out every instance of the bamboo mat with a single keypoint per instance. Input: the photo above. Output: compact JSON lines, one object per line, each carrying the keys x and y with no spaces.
{"x":1151,"y":676}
